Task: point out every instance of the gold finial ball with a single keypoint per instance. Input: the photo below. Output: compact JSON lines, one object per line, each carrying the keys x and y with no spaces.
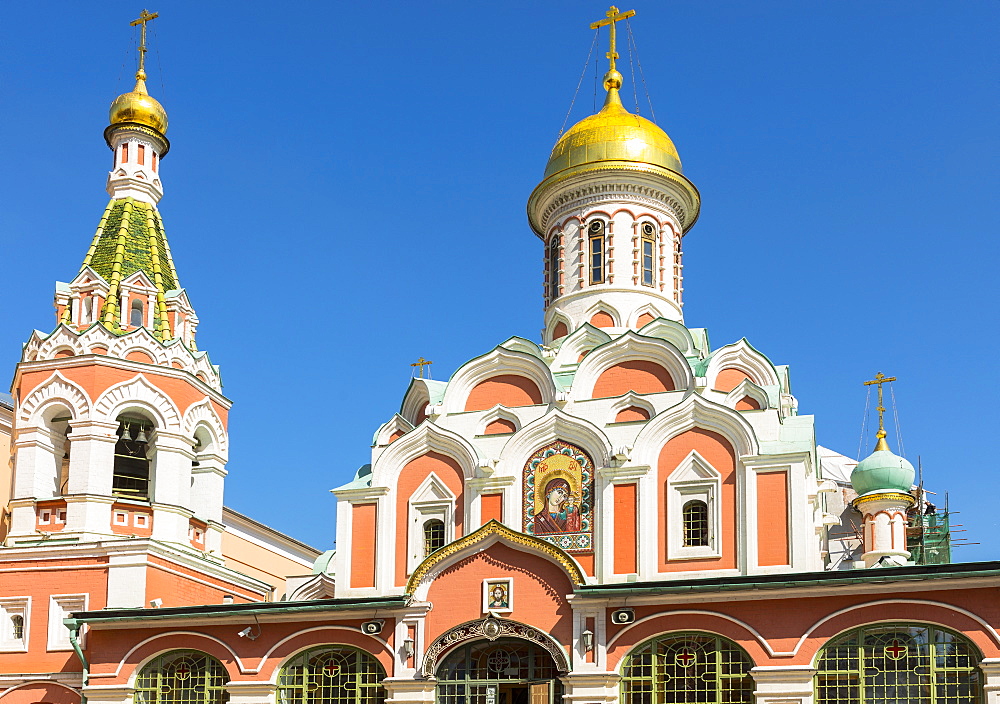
{"x":139,"y":107}
{"x":612,"y":80}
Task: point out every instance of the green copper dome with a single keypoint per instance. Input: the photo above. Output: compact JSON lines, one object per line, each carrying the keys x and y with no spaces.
{"x":882,"y":471}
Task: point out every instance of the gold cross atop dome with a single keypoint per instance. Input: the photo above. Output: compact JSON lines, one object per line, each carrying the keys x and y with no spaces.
{"x":880,"y":379}
{"x":144,"y":17}
{"x":613,"y":16}
{"x":420,"y":364}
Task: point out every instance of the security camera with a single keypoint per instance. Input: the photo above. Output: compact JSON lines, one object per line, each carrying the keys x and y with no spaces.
{"x":372,"y":628}
{"x":156,"y":603}
{"x":623,"y":616}
{"x":245,"y":633}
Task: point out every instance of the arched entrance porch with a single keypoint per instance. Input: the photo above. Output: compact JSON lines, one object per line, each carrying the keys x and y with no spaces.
{"x":496,"y":661}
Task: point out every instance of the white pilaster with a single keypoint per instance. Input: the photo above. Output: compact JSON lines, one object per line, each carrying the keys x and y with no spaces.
{"x":991,"y":675}
{"x":409,"y":691}
{"x":251,"y":692}
{"x":591,"y":687}
{"x":783,"y":685}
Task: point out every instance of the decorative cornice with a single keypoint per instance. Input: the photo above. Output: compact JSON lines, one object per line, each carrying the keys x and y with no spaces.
{"x":894,"y":496}
{"x":491,"y":529}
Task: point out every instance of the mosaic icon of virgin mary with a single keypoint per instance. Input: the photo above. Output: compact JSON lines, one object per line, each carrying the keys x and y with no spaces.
{"x":560,"y":512}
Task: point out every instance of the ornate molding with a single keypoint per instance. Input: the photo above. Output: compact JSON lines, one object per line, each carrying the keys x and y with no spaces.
{"x":492,"y":628}
{"x":491,"y":529}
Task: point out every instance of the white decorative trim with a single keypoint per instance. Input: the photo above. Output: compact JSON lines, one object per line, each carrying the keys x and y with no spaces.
{"x":628,"y":347}
{"x":499,"y":362}
{"x":630,"y":400}
{"x":496,"y":413}
{"x":742,"y":356}
{"x":583,"y":339}
{"x":320,"y":586}
{"x":431,"y":500}
{"x":203,"y":413}
{"x":427,"y":437}
{"x":554,"y":425}
{"x":55,"y":389}
{"x":137,"y":391}
{"x":694,"y":479}
{"x":744,"y":389}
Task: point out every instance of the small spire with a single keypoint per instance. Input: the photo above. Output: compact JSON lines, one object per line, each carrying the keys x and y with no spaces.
{"x":612,"y":79}
{"x":880,"y":379}
{"x":140,"y":75}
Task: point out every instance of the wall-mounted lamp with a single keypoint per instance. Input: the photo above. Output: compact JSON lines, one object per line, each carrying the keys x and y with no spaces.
{"x":407,"y":648}
{"x":156,"y":603}
{"x":227,"y":599}
{"x":588,"y":640}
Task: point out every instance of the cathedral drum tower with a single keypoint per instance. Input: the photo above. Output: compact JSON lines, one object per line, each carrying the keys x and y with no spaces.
{"x":612,"y":209}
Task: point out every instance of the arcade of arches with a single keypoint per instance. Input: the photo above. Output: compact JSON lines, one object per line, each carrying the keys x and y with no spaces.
{"x":893,"y":663}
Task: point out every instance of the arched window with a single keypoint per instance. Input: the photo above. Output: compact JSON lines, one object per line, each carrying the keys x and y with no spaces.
{"x":695,"y":524}
{"x":891,"y":663}
{"x":187,"y":676}
{"x":506,"y":669}
{"x":135,"y":315}
{"x":433,"y":535}
{"x":17,"y":627}
{"x":687,"y":667}
{"x":131,"y":473}
{"x":554,"y":269}
{"x":595,"y":249}
{"x":332,"y":674}
{"x":647,"y":252}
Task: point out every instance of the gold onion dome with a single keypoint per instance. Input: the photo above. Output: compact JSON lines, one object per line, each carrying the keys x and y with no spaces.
{"x":139,"y":107}
{"x":613,"y":134}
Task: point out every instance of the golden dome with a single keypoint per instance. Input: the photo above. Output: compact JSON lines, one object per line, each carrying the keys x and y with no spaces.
{"x":139,"y":107}
{"x":613,"y":134}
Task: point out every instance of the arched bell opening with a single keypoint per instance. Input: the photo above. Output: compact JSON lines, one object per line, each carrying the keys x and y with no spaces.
{"x":501,"y":671}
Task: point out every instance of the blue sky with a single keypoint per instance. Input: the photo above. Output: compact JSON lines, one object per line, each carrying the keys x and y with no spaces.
{"x":346,"y":187}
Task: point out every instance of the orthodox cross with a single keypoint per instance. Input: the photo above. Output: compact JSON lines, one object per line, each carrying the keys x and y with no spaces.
{"x":613,"y":15}
{"x":144,"y":17}
{"x":685,"y":658}
{"x":895,"y":651}
{"x":880,"y":379}
{"x":421,"y":363}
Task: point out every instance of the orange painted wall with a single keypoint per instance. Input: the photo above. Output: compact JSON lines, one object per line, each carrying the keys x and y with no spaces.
{"x":772,"y":518}
{"x":36,"y":692}
{"x":363,"y":517}
{"x":631,"y":414}
{"x":491,"y":508}
{"x":638,"y":375}
{"x":540,"y":587}
{"x":559,"y":330}
{"x":729,"y":379}
{"x":602,"y":320}
{"x":38,"y":579}
{"x":500,"y":426}
{"x":747,"y":404}
{"x":506,"y":389}
{"x":410,"y":478}
{"x":178,"y":585}
{"x":625,"y":559}
{"x":717,"y":452}
{"x":644,"y":319}
{"x":782,"y":622}
{"x":96,"y":378}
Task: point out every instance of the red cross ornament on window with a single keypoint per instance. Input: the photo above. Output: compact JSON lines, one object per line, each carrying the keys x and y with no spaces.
{"x":895,"y":651}
{"x":685,"y":658}
{"x":331,"y":669}
{"x":182,"y":672}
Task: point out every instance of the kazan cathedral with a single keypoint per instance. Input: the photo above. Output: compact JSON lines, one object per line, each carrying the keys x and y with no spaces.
{"x":619,"y":512}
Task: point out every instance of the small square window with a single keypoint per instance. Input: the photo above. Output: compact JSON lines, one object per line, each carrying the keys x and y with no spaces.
{"x":44,"y":517}
{"x":121,"y":518}
{"x":140,"y":520}
{"x":61,"y":515}
{"x":14,"y":612}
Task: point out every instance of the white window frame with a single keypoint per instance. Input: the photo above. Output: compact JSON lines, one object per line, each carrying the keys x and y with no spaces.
{"x":694,"y":479}
{"x":60,"y":607}
{"x":14,"y":606}
{"x":432,"y":499}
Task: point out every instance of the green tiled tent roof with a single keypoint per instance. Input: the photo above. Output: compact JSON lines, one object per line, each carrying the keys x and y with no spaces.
{"x":130,"y":238}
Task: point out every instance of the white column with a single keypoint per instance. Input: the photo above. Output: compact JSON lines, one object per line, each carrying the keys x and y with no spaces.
{"x":91,"y":475}
{"x":108,"y":694}
{"x":409,"y":691}
{"x":36,"y":464}
{"x":251,"y":692}
{"x":784,"y":685}
{"x":991,"y":674}
{"x":207,"y":486}
{"x":171,"y":496}
{"x":591,"y":687}
{"x":127,"y":579}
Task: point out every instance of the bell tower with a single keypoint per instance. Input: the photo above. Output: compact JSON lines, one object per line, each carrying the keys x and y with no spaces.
{"x":119,"y":420}
{"x":612,"y":208}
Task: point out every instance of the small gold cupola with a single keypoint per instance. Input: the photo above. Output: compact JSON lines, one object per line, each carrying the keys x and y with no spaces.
{"x":138,"y":107}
